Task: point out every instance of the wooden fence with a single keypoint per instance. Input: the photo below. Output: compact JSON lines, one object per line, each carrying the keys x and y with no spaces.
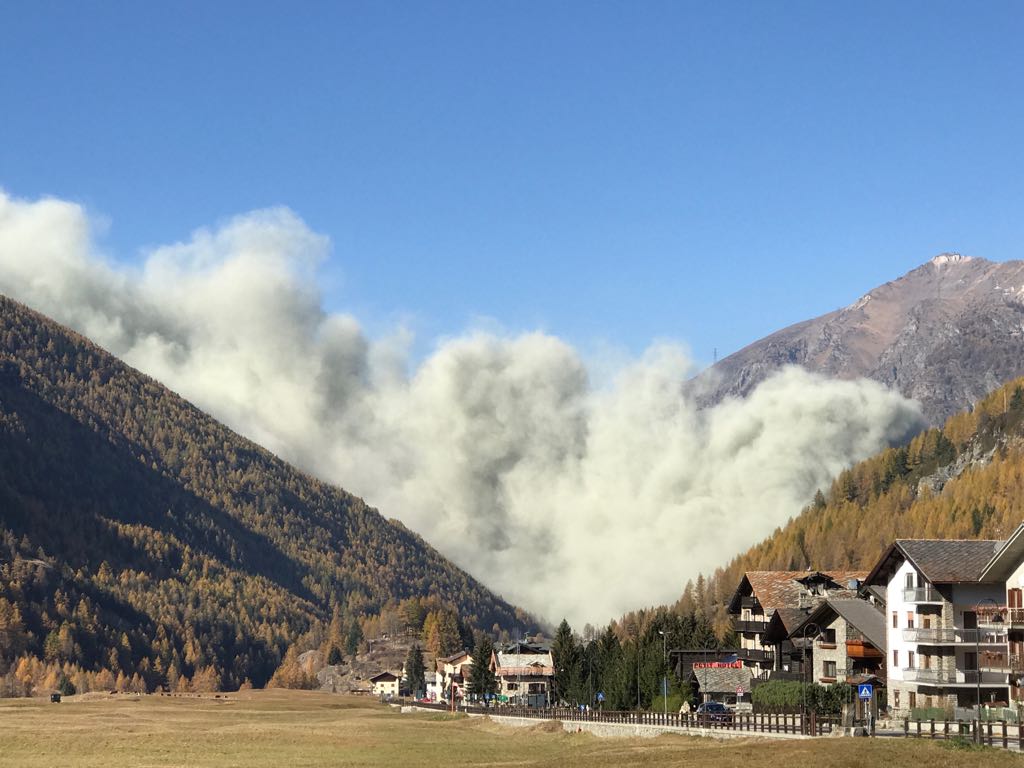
{"x":749,"y":722}
{"x":992,"y":733}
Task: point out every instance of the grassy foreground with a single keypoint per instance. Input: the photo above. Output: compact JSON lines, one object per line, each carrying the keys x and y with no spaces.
{"x":290,"y":728}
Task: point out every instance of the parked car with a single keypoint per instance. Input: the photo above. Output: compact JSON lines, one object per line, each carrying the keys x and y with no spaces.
{"x":714,"y":710}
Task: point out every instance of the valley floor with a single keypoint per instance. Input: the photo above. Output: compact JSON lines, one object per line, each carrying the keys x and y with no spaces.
{"x":292,"y":728}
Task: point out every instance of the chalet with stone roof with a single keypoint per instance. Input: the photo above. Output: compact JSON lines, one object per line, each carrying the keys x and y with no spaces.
{"x":845,"y":640}
{"x":524,"y":678}
{"x":761,"y":594}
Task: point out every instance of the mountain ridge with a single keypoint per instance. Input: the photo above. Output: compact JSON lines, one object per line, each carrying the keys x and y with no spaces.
{"x":945,"y":333}
{"x":171,"y":539}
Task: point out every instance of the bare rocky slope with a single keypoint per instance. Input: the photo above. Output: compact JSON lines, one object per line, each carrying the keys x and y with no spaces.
{"x":945,"y":334}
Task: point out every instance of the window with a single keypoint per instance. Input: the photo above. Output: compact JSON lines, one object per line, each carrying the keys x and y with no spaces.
{"x":895,"y":620}
{"x":910,"y":580}
{"x":970,"y":661}
{"x":913,"y":699}
{"x":896,"y":659}
{"x":910,"y":660}
{"x":830,"y":669}
{"x":829,"y":636}
{"x":928,"y":702}
{"x":1014,"y":598}
{"x":910,"y":619}
{"x":895,"y":697}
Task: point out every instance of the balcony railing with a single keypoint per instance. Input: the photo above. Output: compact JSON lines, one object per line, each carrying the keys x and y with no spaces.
{"x":915,"y":675}
{"x":987,"y":677}
{"x":1004,"y":663}
{"x":922,"y":595}
{"x":928,"y":635}
{"x":953,"y":636}
{"x":954,"y":677}
{"x":1000,"y":616}
{"x":752,"y":654}
{"x":750,"y":626}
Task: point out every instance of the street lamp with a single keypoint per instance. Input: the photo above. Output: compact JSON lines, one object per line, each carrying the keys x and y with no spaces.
{"x":803,"y":673}
{"x":664,"y":677}
{"x":996,"y":619}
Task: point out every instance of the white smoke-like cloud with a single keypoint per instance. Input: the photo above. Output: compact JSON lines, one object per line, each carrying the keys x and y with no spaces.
{"x":569,"y":499}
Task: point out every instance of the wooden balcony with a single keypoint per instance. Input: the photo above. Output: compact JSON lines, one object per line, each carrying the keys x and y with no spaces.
{"x":755,"y":627}
{"x":861,"y":649}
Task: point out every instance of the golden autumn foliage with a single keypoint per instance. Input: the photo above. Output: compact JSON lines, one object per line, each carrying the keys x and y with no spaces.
{"x":138,"y":536}
{"x":965,"y":480}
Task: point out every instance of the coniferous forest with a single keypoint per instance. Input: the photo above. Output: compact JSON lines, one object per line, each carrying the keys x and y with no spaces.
{"x":964,"y":480}
{"x":145,"y":545}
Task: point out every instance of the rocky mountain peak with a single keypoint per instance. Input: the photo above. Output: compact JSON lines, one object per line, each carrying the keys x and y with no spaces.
{"x":945,"y":333}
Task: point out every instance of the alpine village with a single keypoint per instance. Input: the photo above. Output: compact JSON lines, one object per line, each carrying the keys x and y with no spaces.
{"x":147,"y":549}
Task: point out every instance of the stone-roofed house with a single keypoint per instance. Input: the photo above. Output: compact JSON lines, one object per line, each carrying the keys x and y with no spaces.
{"x":728,"y":683}
{"x":846,"y":637}
{"x":934,"y":588}
{"x":761,"y":593}
{"x":525,"y":675}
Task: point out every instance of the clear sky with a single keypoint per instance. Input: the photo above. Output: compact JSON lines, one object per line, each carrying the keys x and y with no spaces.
{"x":610,"y":172}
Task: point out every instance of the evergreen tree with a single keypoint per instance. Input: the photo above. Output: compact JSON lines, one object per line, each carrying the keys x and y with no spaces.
{"x":416,"y":672}
{"x":566,"y":657}
{"x":482,"y":680}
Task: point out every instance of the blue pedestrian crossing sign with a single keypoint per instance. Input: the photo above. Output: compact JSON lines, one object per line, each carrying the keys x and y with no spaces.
{"x":864,"y":692}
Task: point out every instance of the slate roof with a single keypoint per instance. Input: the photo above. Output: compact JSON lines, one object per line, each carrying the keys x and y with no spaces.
{"x":858,"y":613}
{"x":508,"y":664}
{"x":775,"y":589}
{"x":791,"y":617}
{"x":781,"y":589}
{"x":724,"y":679}
{"x":949,"y":560}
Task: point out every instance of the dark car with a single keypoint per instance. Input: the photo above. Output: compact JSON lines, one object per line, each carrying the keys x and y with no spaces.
{"x":714,"y":710}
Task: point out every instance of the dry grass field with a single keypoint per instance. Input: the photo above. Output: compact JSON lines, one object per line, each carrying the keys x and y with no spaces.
{"x":282,"y":728}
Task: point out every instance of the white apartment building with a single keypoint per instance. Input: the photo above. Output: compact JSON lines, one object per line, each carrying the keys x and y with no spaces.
{"x":934,"y":592}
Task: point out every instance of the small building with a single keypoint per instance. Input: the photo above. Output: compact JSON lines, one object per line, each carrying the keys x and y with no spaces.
{"x":727,"y":682}
{"x":524,"y":679}
{"x":848,"y":640}
{"x":385,"y":684}
{"x":450,"y":670}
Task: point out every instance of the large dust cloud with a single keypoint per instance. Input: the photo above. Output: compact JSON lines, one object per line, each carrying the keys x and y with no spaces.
{"x":568,"y":497}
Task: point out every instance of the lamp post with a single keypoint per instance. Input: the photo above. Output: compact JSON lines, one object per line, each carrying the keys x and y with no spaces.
{"x":803,"y":673}
{"x":664,"y":677}
{"x":636,"y":638}
{"x":996,"y":619}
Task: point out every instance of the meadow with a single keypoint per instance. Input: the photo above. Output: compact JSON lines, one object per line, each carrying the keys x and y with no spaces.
{"x":254,"y":729}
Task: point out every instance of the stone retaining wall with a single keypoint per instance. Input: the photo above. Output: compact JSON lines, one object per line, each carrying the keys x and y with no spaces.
{"x":622,"y":730}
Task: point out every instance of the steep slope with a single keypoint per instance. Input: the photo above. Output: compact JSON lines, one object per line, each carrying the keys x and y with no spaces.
{"x":945,"y":334}
{"x":965,"y":480}
{"x":139,"y":535}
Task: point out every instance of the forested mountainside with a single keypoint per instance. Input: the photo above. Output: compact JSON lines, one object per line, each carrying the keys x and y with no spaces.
{"x":964,"y":480}
{"x":139,"y":537}
{"x":944,"y":334}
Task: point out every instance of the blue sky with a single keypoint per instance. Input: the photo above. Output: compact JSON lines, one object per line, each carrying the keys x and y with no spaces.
{"x":607,"y":172}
